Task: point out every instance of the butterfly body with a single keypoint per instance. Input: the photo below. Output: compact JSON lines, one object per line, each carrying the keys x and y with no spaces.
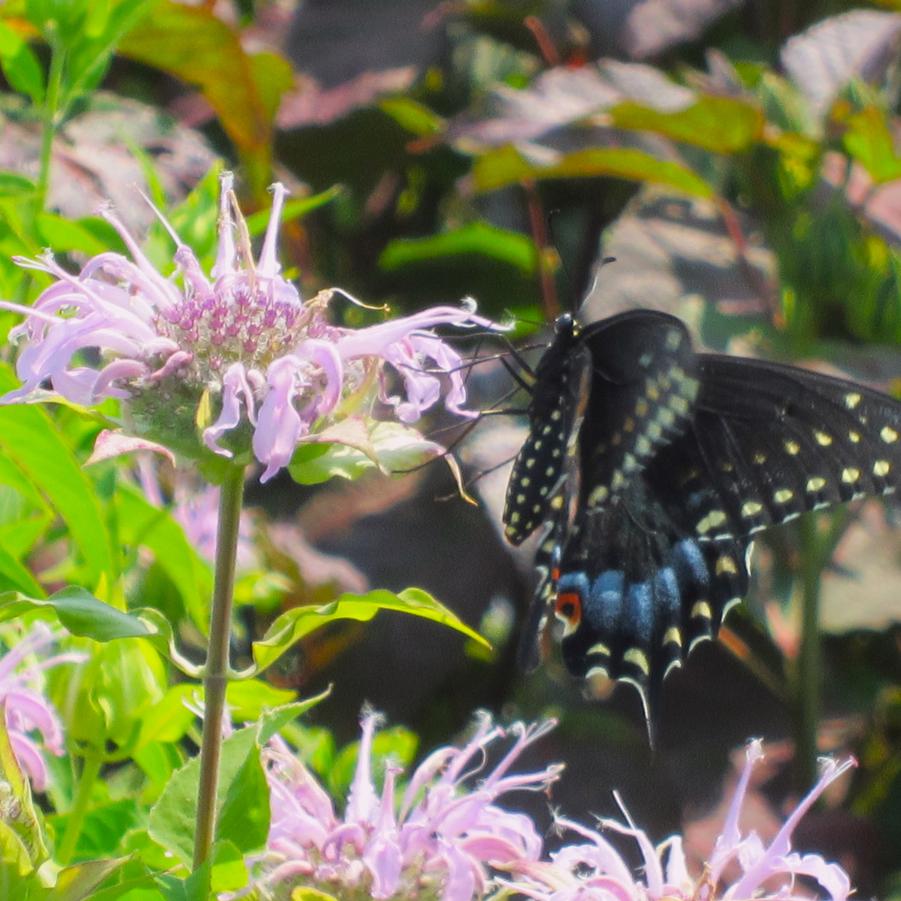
{"x":669,"y":462}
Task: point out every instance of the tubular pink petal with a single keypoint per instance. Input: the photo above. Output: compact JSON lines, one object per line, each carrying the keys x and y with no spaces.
{"x":174,"y":362}
{"x":327,"y":358}
{"x":235,"y":389}
{"x":30,"y":759}
{"x":269,"y":265}
{"x":28,"y":711}
{"x":768,"y":863}
{"x":279,"y":425}
{"x":144,"y":265}
{"x":362,"y":802}
{"x":225,"y":246}
{"x":118,"y":369}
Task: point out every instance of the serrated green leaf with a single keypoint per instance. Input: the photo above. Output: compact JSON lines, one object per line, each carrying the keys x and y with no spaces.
{"x":507,"y":166}
{"x":299,"y":622}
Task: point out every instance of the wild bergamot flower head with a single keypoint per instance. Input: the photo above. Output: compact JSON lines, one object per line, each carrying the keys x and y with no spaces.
{"x":236,"y":358}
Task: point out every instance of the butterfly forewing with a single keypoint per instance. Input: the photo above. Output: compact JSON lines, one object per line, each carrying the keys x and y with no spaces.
{"x":558,"y":395}
{"x":642,"y":393}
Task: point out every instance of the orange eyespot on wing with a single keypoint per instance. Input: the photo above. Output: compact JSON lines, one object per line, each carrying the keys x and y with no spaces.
{"x":568,"y":609}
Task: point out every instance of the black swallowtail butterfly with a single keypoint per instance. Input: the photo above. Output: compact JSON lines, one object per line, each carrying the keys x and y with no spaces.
{"x":650,"y":467}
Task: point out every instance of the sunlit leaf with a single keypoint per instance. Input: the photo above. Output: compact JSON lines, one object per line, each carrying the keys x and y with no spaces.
{"x":354,"y":446}
{"x":507,"y":166}
{"x":478,"y":238}
{"x":870,"y":141}
{"x":194,"y":44}
{"x":30,"y":439}
{"x":299,"y":622}
{"x":718,"y":124}
{"x":20,"y":64}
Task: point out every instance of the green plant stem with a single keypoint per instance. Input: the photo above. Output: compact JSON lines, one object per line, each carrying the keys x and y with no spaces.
{"x":90,"y":770}
{"x":809,"y":666}
{"x":216,"y":671}
{"x":50,"y":119}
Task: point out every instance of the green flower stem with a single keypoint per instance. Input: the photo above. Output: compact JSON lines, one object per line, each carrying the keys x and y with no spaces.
{"x":90,"y":770}
{"x":809,"y":664}
{"x":217,"y":665}
{"x":50,"y":119}
{"x":817,"y":549}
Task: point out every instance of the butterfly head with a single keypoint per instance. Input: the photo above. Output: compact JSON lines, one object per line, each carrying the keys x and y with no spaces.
{"x":565,"y":326}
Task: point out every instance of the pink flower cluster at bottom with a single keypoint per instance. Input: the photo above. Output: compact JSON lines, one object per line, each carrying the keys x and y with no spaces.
{"x":445,"y":840}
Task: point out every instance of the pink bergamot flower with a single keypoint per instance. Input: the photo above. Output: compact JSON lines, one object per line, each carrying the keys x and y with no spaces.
{"x":238,"y":355}
{"x":741,"y":865}
{"x":31,"y":721}
{"x":438,"y":840}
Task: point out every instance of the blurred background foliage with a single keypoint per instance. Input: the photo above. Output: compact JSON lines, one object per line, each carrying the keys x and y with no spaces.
{"x":740,"y":160}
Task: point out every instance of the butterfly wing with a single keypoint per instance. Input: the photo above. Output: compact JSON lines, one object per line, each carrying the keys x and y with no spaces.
{"x":648,"y":573}
{"x":769,"y":442}
{"x":540,"y":467}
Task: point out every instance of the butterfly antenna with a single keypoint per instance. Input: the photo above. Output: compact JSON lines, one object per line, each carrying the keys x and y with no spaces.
{"x":597,"y":277}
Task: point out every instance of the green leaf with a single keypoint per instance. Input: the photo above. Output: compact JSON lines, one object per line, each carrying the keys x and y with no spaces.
{"x":192,"y":43}
{"x":17,"y":576}
{"x":14,"y":185}
{"x":20,"y":65}
{"x":77,"y":882}
{"x":171,"y":820}
{"x":104,"y":825}
{"x":67,"y":235}
{"x":413,"y":116}
{"x":243,"y":817}
{"x":145,"y":525}
{"x":86,"y":616}
{"x":21,"y":839}
{"x":295,"y":208}
{"x":507,"y":166}
{"x":718,"y":124}
{"x":80,"y":612}
{"x":32,"y":442}
{"x":248,"y":699}
{"x":478,"y":238}
{"x":870,"y":141}
{"x":299,"y":622}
